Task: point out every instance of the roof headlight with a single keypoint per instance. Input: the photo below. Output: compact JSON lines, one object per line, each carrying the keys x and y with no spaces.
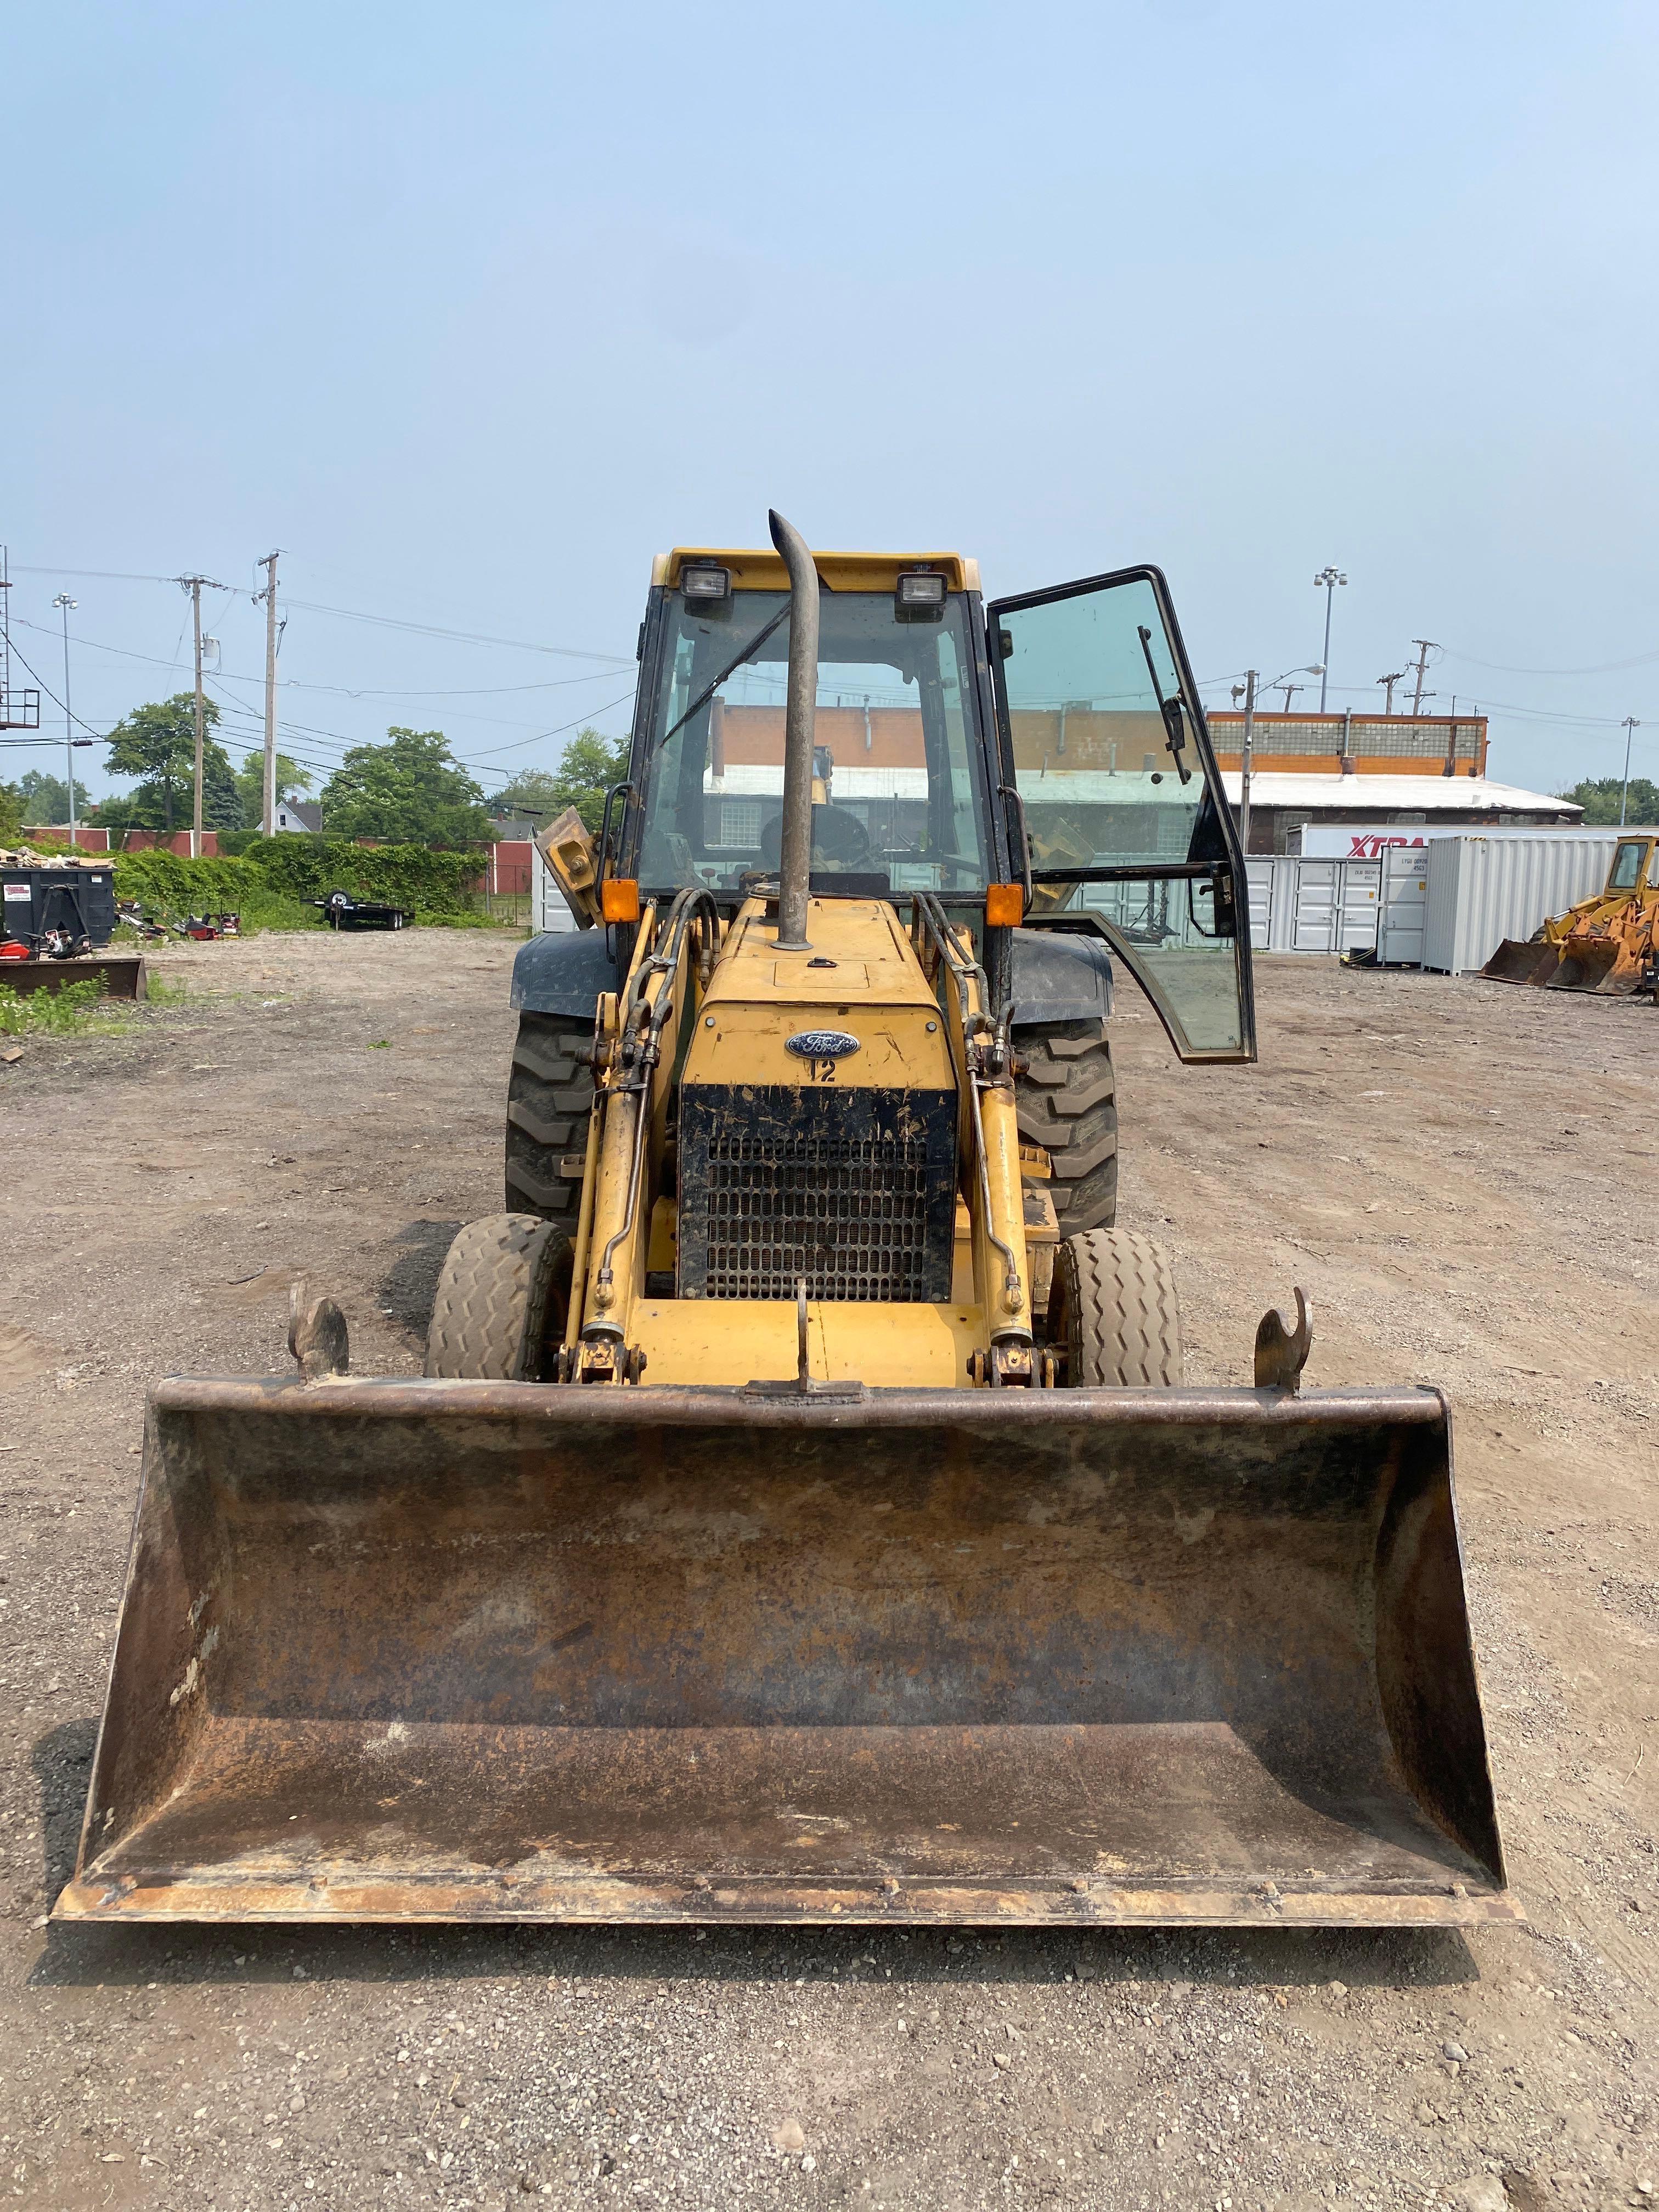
{"x":706,"y":580}
{"x":920,"y":594}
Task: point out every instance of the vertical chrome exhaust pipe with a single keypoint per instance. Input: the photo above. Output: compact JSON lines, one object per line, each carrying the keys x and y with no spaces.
{"x":795,"y":864}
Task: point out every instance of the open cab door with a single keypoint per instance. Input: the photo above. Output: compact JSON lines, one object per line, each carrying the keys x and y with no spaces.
{"x":1126,"y":823}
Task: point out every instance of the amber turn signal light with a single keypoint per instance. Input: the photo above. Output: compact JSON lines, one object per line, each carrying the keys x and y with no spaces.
{"x":619,"y":899}
{"x":1005,"y":906}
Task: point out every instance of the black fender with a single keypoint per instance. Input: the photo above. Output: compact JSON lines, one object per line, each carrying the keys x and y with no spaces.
{"x":563,"y":972}
{"x":1060,"y":975}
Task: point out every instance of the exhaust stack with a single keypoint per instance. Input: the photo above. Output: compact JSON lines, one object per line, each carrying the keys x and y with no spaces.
{"x":795,"y":864}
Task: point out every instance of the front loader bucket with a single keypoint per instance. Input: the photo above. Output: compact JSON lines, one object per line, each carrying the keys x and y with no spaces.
{"x":455,"y":1651}
{"x":1523,"y":960}
{"x":1606,"y":965}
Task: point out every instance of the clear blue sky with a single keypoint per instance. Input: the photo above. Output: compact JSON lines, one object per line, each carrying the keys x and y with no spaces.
{"x":471,"y":311}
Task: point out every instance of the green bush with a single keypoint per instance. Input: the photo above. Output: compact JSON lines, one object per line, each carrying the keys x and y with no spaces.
{"x":433,"y":883}
{"x":55,"y":1013}
{"x":269,"y":883}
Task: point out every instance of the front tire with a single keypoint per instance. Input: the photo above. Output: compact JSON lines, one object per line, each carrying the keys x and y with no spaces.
{"x":1067,"y":1102}
{"x":550,"y":1096}
{"x":1113,"y":1307}
{"x":502,"y":1301}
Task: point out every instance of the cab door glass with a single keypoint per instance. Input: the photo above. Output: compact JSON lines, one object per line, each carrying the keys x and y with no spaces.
{"x":1626,"y":867}
{"x":1126,"y":818}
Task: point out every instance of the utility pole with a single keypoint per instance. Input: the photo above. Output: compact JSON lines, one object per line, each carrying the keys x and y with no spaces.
{"x":1399,"y":676}
{"x":1244,"y":761}
{"x":1330,"y":578}
{"x":269,"y":595}
{"x":1425,"y":646}
{"x":68,"y":605}
{"x":194,"y":585}
{"x":1289,"y":690}
{"x":1630,"y":725}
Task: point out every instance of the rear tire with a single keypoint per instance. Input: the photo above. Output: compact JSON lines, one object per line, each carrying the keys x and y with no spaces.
{"x":1113,"y":1307}
{"x":550,"y":1096}
{"x":503,"y":1299}
{"x":1067,"y":1102}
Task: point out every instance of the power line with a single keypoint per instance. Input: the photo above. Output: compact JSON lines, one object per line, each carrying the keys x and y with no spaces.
{"x":103,"y":576}
{"x":341,"y":690}
{"x":350,"y":614}
{"x":50,"y":694}
{"x":458,"y":636}
{"x":1600,"y":668}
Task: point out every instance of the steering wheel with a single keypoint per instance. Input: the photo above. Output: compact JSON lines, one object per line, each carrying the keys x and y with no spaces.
{"x":839,"y":840}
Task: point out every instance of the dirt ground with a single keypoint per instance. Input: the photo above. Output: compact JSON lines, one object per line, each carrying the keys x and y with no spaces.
{"x":1461,"y":1176}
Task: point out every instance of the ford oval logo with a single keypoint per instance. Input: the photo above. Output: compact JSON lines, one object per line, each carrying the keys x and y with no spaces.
{"x":821,"y":1044}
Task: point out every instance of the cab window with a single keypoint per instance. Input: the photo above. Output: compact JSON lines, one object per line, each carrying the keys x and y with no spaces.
{"x":897,"y":784}
{"x":1626,"y":872}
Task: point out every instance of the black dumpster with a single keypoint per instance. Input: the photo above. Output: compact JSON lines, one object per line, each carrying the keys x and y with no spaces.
{"x":56,"y":910}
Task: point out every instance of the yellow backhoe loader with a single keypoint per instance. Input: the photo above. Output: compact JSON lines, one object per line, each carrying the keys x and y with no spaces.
{"x":802,"y":1517}
{"x":1607,"y":944}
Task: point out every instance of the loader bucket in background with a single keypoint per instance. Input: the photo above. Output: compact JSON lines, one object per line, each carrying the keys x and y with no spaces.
{"x":1518,"y":960}
{"x":406,"y":1651}
{"x":1610,"y":963}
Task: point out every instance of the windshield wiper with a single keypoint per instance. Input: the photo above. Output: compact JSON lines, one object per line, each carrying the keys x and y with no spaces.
{"x":737,"y":661}
{"x":1174,"y":728}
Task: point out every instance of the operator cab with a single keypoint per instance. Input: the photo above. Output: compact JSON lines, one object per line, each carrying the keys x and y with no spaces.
{"x":898,"y":775}
{"x":1046,"y":752}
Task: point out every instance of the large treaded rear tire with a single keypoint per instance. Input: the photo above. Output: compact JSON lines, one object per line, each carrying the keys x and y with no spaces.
{"x":501,"y":1301}
{"x":1115,"y":1309}
{"x":550,"y":1096}
{"x":1067,"y":1102}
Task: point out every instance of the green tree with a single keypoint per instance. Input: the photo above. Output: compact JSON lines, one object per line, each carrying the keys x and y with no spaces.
{"x":1600,"y":801}
{"x":291,"y":779}
{"x":408,"y":791}
{"x":11,"y":813}
{"x":46,"y":798}
{"x":593,"y":762}
{"x":531,"y":795}
{"x":157,"y":745}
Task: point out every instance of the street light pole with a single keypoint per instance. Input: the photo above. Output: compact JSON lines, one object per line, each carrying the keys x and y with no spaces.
{"x":1330,"y":578}
{"x":67,"y":605}
{"x":1630,"y":725}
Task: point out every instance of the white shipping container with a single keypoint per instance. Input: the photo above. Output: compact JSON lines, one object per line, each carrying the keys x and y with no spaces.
{"x":1403,"y":906}
{"x":1313,"y":906}
{"x":1487,"y":886}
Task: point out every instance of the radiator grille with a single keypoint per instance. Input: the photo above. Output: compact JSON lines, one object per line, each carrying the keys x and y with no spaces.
{"x":850,"y":1219}
{"x":774,"y":1194}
